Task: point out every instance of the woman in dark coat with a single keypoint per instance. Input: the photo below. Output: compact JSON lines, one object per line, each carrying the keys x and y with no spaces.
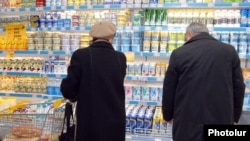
{"x":203,"y":85}
{"x":96,"y":81}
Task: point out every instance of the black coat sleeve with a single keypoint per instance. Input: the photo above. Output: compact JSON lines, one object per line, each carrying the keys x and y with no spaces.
{"x":238,"y":88}
{"x":169,"y":89}
{"x":70,"y":84}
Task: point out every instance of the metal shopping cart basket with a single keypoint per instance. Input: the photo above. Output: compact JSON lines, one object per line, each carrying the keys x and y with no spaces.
{"x":31,"y":122}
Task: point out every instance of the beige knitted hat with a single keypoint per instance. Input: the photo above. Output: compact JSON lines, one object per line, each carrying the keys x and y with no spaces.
{"x":102,"y":30}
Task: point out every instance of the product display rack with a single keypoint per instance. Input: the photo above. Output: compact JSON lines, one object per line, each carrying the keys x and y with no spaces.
{"x":147,"y":55}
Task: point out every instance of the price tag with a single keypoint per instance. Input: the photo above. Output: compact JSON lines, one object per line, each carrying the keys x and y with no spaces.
{"x":58,"y":75}
{"x":184,"y":5}
{"x":152,"y":5}
{"x":127,"y":28}
{"x":63,"y":29}
{"x":157,"y":139}
{"x":63,"y":7}
{"x":147,"y":28}
{"x":159,"y":79}
{"x":235,"y":4}
{"x":106,"y":6}
{"x":76,"y":7}
{"x":39,"y":8}
{"x":53,"y":28}
{"x":53,"y":8}
{"x":8,"y":10}
{"x":123,"y":6}
{"x":160,"y":5}
{"x":144,"y":5}
{"x":89,"y":6}
{"x":156,"y":54}
{"x":130,"y":5}
{"x":136,"y":28}
{"x":9,"y":54}
{"x":82,"y":28}
{"x":32,"y":29}
{"x":137,"y":5}
{"x":50,"y":52}
{"x":210,"y":4}
{"x":158,"y":28}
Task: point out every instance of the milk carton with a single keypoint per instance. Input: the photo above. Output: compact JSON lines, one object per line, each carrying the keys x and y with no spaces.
{"x":140,"y":120}
{"x":148,"y":120}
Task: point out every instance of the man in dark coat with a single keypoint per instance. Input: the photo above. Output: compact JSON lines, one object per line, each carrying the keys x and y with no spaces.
{"x":96,"y":81}
{"x":203,"y":85}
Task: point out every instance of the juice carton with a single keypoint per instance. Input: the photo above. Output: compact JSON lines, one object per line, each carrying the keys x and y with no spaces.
{"x":163,"y":125}
{"x":156,"y":120}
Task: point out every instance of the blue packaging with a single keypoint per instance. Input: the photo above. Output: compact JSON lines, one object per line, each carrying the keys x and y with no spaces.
{"x":48,"y":23}
{"x":67,"y":22}
{"x":148,"y":121}
{"x":136,"y":93}
{"x":60,"y":23}
{"x":137,"y":41}
{"x":137,"y":34}
{"x":125,"y":41}
{"x":42,"y":22}
{"x":244,"y":18}
{"x":125,"y":48}
{"x":54,"y":23}
{"x":225,"y":37}
{"x":140,"y":120}
{"x":136,"y":48}
{"x":125,"y":34}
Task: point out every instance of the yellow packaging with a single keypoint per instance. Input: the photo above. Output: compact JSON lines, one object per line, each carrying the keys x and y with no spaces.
{"x":147,"y":35}
{"x":163,"y":125}
{"x":158,"y":69}
{"x":163,"y":46}
{"x":154,"y":46}
{"x":156,"y":120}
{"x":146,"y":46}
{"x":163,"y":68}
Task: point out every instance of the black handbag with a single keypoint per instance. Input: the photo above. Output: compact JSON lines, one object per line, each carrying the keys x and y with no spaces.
{"x":69,"y":135}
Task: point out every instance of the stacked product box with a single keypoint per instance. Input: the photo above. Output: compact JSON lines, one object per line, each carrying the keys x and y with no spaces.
{"x":143,"y":93}
{"x":139,"y":119}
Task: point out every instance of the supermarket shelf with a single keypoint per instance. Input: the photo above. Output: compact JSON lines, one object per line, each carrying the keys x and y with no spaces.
{"x":52,"y":75}
{"x":131,"y":6}
{"x":140,"y":28}
{"x":144,"y":78}
{"x":20,"y":73}
{"x":151,"y":103}
{"x":146,"y":138}
{"x":30,"y":95}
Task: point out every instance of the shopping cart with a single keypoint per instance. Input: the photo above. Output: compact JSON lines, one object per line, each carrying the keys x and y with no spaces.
{"x":32,"y":122}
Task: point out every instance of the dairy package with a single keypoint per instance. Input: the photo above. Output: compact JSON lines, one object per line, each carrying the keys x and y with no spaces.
{"x":140,"y":119}
{"x":156,"y":120}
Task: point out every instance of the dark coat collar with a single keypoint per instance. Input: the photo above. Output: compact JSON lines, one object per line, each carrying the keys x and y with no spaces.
{"x":102,"y":44}
{"x":200,"y":37}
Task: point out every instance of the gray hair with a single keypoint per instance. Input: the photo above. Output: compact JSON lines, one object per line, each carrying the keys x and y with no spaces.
{"x":197,"y":28}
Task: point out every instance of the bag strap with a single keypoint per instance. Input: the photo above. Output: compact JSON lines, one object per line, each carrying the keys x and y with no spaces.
{"x":68,"y":113}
